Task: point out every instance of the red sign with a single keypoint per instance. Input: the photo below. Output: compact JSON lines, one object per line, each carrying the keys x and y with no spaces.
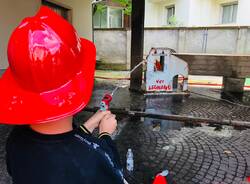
{"x":159,"y":87}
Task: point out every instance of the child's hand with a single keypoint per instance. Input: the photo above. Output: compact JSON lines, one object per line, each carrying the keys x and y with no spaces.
{"x":108,"y":124}
{"x":94,"y":121}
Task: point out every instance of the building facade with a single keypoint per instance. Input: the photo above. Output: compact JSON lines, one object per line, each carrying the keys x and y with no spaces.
{"x":110,"y":14}
{"x":162,"y":13}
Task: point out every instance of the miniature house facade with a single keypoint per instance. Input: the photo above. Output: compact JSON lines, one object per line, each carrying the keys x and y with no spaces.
{"x":165,"y":72}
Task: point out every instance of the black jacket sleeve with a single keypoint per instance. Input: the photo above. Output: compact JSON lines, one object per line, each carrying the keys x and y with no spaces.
{"x":108,"y":145}
{"x":112,"y":146}
{"x":8,"y":151}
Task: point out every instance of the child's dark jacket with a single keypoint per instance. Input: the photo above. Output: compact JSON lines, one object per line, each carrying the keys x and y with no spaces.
{"x":75,"y":157}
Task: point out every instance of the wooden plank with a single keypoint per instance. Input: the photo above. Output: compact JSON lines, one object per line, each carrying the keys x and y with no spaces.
{"x":212,"y":55}
{"x":137,"y":39}
{"x":182,"y":118}
{"x":2,"y":71}
{"x":197,"y":27}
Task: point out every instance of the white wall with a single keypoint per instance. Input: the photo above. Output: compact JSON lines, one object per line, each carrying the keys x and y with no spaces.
{"x":155,"y":12}
{"x":194,"y":12}
{"x":243,"y":12}
{"x":162,"y":10}
{"x":200,"y":13}
{"x":243,"y":17}
{"x":217,"y":9}
{"x":151,"y":14}
{"x":113,"y":46}
{"x":182,"y":10}
{"x":13,"y":11}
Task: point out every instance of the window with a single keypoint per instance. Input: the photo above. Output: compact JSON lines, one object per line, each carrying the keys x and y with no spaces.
{"x":115,"y":18}
{"x":170,"y":13}
{"x":229,"y":13}
{"x":108,"y":17}
{"x":159,"y":64}
{"x":61,"y":10}
{"x":100,"y":18}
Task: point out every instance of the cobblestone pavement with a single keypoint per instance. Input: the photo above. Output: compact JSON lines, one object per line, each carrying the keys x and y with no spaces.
{"x":192,"y":155}
{"x":195,"y":105}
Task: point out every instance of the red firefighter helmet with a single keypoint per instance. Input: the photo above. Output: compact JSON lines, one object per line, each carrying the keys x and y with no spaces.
{"x":50,"y":74}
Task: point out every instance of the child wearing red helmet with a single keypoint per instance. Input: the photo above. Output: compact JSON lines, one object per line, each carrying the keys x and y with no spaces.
{"x":49,"y":79}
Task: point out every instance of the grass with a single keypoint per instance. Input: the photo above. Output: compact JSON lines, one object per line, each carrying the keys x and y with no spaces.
{"x":247,"y":83}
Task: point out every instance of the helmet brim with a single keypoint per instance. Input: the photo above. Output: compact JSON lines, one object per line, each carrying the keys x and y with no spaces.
{"x":19,"y":106}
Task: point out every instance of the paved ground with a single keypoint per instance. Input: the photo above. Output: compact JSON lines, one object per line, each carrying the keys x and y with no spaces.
{"x":191,"y":154}
{"x":197,"y":104}
{"x":211,"y":81}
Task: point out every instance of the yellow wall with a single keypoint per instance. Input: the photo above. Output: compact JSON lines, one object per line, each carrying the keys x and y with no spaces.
{"x":82,"y":16}
{"x":13,"y":11}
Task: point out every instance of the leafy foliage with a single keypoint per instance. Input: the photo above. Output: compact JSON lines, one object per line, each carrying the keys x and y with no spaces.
{"x":99,"y":8}
{"x":127,"y":4}
{"x":173,"y":22}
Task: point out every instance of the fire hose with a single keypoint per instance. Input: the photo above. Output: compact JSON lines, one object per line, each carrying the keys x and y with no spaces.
{"x":182,"y":118}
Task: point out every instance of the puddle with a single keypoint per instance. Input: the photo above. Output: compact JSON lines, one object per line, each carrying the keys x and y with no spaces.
{"x":158,"y":125}
{"x":176,"y":140}
{"x":225,"y":131}
{"x":161,"y":105}
{"x":162,"y":125}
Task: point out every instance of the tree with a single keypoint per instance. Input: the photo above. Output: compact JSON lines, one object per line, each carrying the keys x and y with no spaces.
{"x":127,"y":4}
{"x":98,"y":8}
{"x":173,"y":22}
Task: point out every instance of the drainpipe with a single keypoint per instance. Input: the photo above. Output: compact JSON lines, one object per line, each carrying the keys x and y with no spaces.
{"x":92,"y":6}
{"x":204,"y":40}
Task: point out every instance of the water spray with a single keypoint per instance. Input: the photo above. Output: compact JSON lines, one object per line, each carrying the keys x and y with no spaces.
{"x":107,"y":98}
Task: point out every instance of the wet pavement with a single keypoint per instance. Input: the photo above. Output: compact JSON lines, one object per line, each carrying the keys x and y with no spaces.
{"x":192,"y":155}
{"x":202,"y":154}
{"x":195,"y":154}
{"x":202,"y":102}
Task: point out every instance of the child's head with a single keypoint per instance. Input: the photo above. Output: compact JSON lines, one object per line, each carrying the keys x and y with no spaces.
{"x":50,"y":74}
